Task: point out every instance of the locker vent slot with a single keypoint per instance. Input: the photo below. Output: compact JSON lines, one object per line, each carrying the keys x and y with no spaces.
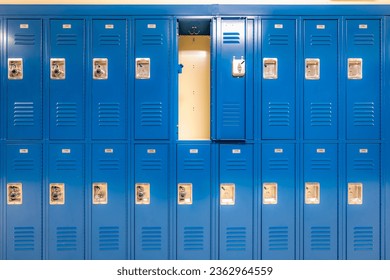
{"x":320,"y":238}
{"x":66,"y":114}
{"x":278,"y":238}
{"x":236,"y":164}
{"x":231,"y":115}
{"x":278,"y":114}
{"x":193,"y":238}
{"x":108,"y":238}
{"x":151,"y":238}
{"x":66,"y":164}
{"x":231,"y":37}
{"x":320,"y":40}
{"x":321,"y":114}
{"x":278,"y":39}
{"x":24,"y":40}
{"x":23,"y":164}
{"x":151,"y":114}
{"x":321,"y":164}
{"x":194,"y":164}
{"x":363,"y":164}
{"x":66,"y":238}
{"x":364,"y":39}
{"x":364,"y":114}
{"x":151,"y":164}
{"x":24,"y":238}
{"x":152,"y":40}
{"x":24,"y":114}
{"x":66,"y":39}
{"x":113,"y":40}
{"x":109,"y":164}
{"x":109,"y":114}
{"x":278,"y":164}
{"x":236,"y":239}
{"x":363,"y":239}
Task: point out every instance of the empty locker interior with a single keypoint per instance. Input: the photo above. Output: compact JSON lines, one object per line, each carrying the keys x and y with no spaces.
{"x":195,"y":132}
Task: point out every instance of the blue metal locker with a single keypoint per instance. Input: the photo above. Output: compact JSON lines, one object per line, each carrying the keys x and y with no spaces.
{"x":109,"y":79}
{"x":151,"y":201}
{"x":24,"y":201}
{"x":109,"y":201}
{"x":231,"y":69}
{"x":153,"y":72}
{"x":279,"y":74}
{"x":363,"y":58}
{"x":66,"y":202}
{"x":321,"y":79}
{"x":66,"y":87}
{"x":363,"y":201}
{"x":193,"y":201}
{"x":24,"y":79}
{"x":278,"y":201}
{"x":320,"y":211}
{"x":236,"y":202}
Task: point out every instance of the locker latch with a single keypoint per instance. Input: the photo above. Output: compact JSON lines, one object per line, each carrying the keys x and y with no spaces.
{"x":142,"y":193}
{"x":312,"y":71}
{"x":100,"y":68}
{"x":355,"y":193}
{"x":100,"y":195}
{"x":142,"y":68}
{"x":270,"y":68}
{"x":57,"y":193}
{"x":184,"y":193}
{"x":312,"y":193}
{"x":57,"y":68}
{"x":14,"y":193}
{"x":238,"y":67}
{"x":270,"y":193}
{"x":355,"y":68}
{"x":227,"y":194}
{"x":15,"y":68}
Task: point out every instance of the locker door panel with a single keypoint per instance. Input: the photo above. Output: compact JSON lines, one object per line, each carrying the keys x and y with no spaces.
{"x":363,"y":93}
{"x":321,"y":204}
{"x":363,"y":217}
{"x":321,"y":93}
{"x":278,"y":201}
{"x":109,"y":86}
{"x":109,"y":201}
{"x":152,"y":41}
{"x":66,"y":205}
{"x":66,"y":88}
{"x":151,"y":219}
{"x":231,"y":93}
{"x":278,"y":93}
{"x":236,"y":219}
{"x":193,"y":220}
{"x":24,"y":82}
{"x":24,"y":203}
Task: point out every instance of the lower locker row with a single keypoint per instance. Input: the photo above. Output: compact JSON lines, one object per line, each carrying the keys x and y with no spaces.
{"x":228,"y":201}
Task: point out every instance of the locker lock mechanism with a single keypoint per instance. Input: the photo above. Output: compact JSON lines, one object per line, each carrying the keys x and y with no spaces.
{"x":227,"y":194}
{"x":238,"y":67}
{"x":100,"y":68}
{"x":184,"y":194}
{"x":142,"y":193}
{"x":57,"y":194}
{"x":14,"y":193}
{"x":57,"y":66}
{"x":100,"y":195}
{"x":15,"y":68}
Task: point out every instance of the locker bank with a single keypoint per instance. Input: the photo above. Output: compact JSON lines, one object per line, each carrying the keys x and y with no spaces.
{"x":195,"y":131}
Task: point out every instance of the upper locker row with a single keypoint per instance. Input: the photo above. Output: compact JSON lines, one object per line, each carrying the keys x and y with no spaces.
{"x":89,"y":86}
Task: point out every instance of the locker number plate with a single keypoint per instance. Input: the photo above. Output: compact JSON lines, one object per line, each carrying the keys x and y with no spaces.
{"x":15,"y":68}
{"x":142,"y":193}
{"x":355,"y":193}
{"x":100,"y":68}
{"x":57,"y":194}
{"x":312,"y":69}
{"x":227,"y":194}
{"x":270,"y":68}
{"x":142,"y":68}
{"x":270,"y":193}
{"x":100,"y":193}
{"x":355,"y":68}
{"x":312,"y":193}
{"x":14,"y":193}
{"x":184,"y":194}
{"x":57,"y":68}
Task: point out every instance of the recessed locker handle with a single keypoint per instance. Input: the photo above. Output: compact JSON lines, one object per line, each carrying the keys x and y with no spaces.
{"x":355,"y":193}
{"x":14,"y":193}
{"x":312,"y":193}
{"x":184,"y":193}
{"x":142,"y":193}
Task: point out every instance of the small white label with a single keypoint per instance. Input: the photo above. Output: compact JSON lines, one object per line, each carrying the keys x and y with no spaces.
{"x":66,"y":26}
{"x":321,"y":151}
{"x":278,"y":151}
{"x":108,"y":151}
{"x":109,"y":26}
{"x":23,"y":151}
{"x":66,"y":151}
{"x":320,"y":26}
{"x":363,"y":26}
{"x":363,"y":151}
{"x":152,"y":25}
{"x":151,"y":151}
{"x":279,"y":26}
{"x":194,"y":151}
{"x":24,"y":26}
{"x":236,"y":151}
